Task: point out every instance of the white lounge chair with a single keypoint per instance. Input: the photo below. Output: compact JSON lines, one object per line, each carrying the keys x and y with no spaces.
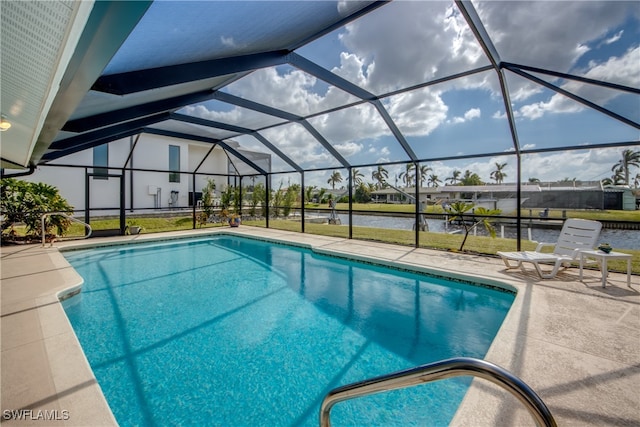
{"x":576,"y":235}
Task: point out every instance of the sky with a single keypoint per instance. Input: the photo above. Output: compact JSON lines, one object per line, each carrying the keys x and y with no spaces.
{"x":406,"y":43}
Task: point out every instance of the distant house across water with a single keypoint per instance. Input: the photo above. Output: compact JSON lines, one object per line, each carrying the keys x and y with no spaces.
{"x":557,"y":195}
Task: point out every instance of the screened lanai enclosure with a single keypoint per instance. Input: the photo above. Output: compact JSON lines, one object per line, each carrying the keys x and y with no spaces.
{"x":335,"y":114}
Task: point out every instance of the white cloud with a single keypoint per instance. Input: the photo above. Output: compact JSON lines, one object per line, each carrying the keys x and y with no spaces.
{"x":384,"y":151}
{"x":348,"y":149}
{"x":405,"y":43}
{"x":558,"y":35}
{"x":623,"y":70}
{"x":585,"y":165}
{"x":417,"y":113}
{"x":227,"y":41}
{"x":556,"y":31}
{"x":499,"y":115}
{"x":523,"y":92}
{"x":614,"y":38}
{"x":471,"y":114}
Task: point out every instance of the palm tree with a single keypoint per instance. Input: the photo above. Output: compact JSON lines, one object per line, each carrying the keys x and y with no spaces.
{"x":455,"y":177}
{"x":357,"y":177}
{"x":380,"y":175}
{"x":636,"y":181}
{"x":406,"y":176}
{"x":498,"y":174}
{"x":616,"y":179}
{"x":424,"y":170}
{"x":629,"y":158}
{"x":434,"y":180}
{"x":334,"y":179}
{"x":456,"y":210}
{"x":309,"y":193}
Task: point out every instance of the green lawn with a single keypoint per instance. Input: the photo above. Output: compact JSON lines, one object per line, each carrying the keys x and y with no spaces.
{"x":448,"y":242}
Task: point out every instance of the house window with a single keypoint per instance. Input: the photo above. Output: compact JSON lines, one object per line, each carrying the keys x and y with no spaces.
{"x":174,"y":163}
{"x":101,"y":161}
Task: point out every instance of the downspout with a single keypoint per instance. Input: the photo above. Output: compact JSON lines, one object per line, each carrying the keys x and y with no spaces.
{"x":29,"y":171}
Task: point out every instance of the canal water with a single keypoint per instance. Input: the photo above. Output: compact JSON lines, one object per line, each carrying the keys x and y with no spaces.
{"x":623,"y":239}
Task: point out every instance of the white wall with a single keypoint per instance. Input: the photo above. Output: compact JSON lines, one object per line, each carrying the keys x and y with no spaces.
{"x":151,"y":152}
{"x":214,"y":163}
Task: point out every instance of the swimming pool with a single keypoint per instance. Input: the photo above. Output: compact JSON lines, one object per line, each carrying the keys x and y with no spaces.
{"x":234,"y":331}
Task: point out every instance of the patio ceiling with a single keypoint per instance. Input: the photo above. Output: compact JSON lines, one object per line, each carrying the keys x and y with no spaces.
{"x":193,"y":70}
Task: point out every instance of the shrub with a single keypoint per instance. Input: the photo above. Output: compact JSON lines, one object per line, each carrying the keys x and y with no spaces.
{"x":25,"y":202}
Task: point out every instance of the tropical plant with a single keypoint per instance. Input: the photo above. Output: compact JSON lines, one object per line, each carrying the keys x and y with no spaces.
{"x":380,"y":175}
{"x":278,"y":197}
{"x":25,"y":202}
{"x":289,"y":199}
{"x":407,"y":176}
{"x":208,"y":193}
{"x":499,"y":175}
{"x":258,"y":196}
{"x":616,"y":179}
{"x":455,"y":177}
{"x":481,"y":215}
{"x":322,"y":198}
{"x":424,"y":171}
{"x":629,"y":158}
{"x":362,"y":193}
{"x":237,"y":199}
{"x":356,"y":176}
{"x":308,"y":193}
{"x":434,"y":181}
{"x":335,"y":178}
{"x":226,"y":197}
{"x":471,"y":178}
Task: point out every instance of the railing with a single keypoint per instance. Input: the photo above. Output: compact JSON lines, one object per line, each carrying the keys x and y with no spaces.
{"x":462,"y":366}
{"x":44,"y":233}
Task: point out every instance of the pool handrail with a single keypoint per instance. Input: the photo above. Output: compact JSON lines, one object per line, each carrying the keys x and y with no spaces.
{"x":459,"y":366}
{"x":46,"y":214}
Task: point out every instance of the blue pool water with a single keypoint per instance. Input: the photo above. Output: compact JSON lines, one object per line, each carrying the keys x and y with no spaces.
{"x":237,"y":332}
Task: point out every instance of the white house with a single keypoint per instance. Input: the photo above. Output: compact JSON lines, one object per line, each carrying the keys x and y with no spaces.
{"x":163,"y":175}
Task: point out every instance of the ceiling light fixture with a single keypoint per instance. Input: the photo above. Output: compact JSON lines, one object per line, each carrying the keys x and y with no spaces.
{"x":4,"y":124}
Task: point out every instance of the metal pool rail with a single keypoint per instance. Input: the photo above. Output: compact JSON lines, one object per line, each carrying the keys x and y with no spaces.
{"x":460,"y":366}
{"x":45,"y":215}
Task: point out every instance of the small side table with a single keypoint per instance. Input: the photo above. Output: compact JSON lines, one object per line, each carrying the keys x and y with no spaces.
{"x":602,"y":258}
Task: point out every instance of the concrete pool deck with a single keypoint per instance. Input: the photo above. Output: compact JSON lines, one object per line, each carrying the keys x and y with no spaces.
{"x":575,"y":343}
